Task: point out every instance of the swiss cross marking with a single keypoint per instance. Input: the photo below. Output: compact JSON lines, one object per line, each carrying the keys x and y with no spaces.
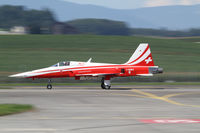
{"x":148,"y":60}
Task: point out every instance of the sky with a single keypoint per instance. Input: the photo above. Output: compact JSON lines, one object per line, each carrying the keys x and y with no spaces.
{"x":132,"y":4}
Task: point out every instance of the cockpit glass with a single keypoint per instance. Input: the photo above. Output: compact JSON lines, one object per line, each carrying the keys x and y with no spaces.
{"x":64,"y":63}
{"x":55,"y":65}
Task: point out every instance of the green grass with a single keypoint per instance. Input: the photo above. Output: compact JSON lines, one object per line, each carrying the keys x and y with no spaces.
{"x":7,"y":109}
{"x":191,"y":39}
{"x":19,"y":53}
{"x":26,"y":52}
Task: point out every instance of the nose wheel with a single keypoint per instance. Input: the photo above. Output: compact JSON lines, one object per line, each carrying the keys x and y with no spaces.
{"x":49,"y":86}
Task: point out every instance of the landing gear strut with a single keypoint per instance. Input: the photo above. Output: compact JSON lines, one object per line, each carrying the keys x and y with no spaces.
{"x":105,"y":83}
{"x":49,"y":86}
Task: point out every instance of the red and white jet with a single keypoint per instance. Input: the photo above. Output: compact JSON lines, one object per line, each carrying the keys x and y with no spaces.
{"x":140,"y":64}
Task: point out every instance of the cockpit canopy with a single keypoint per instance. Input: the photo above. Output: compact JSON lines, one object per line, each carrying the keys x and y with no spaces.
{"x":64,"y":63}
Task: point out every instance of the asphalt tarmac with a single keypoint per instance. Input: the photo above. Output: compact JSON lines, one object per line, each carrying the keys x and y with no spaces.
{"x":123,"y":109}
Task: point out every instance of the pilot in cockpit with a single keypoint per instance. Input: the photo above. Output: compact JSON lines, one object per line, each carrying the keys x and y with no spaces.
{"x":64,"y":63}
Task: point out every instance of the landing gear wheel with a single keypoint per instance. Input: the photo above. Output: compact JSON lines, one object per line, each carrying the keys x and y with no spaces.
{"x":105,"y":83}
{"x":49,"y":86}
{"x":102,"y":86}
{"x":106,"y":87}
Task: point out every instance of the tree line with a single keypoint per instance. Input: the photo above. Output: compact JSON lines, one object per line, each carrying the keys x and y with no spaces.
{"x":35,"y":20}
{"x":100,"y":26}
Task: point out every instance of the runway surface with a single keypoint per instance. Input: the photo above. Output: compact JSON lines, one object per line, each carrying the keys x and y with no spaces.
{"x":86,"y":109}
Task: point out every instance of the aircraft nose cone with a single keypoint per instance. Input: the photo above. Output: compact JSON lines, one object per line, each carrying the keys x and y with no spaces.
{"x":19,"y":75}
{"x":12,"y":76}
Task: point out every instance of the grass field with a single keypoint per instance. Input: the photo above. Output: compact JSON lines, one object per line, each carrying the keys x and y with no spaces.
{"x":19,"y":53}
{"x":7,"y":109}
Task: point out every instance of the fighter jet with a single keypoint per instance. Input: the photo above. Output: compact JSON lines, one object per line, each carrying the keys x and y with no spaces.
{"x":140,"y":64}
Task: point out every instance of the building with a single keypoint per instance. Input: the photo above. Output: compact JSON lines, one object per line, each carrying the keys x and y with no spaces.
{"x":18,"y":30}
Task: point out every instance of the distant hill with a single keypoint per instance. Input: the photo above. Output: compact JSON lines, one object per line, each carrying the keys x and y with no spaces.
{"x":172,"y":17}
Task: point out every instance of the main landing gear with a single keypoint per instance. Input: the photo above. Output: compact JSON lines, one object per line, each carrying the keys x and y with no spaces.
{"x":105,"y":83}
{"x":49,"y":86}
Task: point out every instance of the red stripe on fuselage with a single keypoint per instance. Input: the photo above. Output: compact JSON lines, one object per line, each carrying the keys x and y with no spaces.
{"x":77,"y":68}
{"x":109,"y":69}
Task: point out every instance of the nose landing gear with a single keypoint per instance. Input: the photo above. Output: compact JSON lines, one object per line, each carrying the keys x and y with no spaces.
{"x":49,"y":86}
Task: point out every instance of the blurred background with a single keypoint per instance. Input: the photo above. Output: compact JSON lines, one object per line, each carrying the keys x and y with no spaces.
{"x":39,"y":33}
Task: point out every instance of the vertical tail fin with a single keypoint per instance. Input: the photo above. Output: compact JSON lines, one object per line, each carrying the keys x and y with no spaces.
{"x":142,"y":56}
